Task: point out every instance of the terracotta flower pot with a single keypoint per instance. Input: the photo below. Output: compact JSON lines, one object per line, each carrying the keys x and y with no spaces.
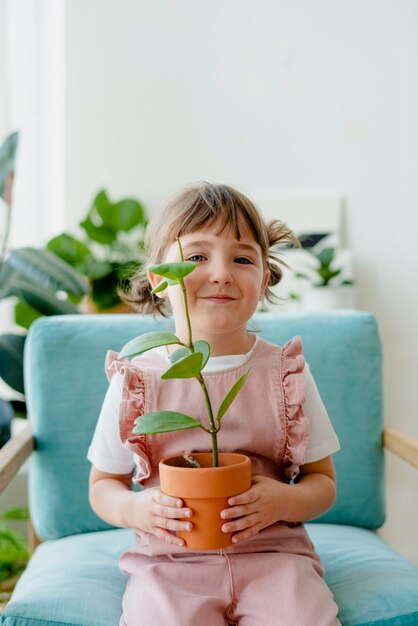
{"x":206,"y":491}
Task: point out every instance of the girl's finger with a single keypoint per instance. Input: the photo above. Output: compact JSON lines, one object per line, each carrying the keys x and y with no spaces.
{"x":236,"y":511}
{"x":172,"y":524}
{"x":172,"y":513}
{"x":246,"y":534}
{"x":162,"y":498}
{"x":244,"y":498}
{"x":169,"y":537}
{"x":240,"y":524}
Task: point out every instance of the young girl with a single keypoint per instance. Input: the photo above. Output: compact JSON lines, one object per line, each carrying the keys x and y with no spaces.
{"x":271,"y":574}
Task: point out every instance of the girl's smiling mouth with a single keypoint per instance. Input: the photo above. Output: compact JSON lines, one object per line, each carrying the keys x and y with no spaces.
{"x":219,"y":298}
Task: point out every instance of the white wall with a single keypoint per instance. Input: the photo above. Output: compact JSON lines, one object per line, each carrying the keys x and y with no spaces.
{"x":270,"y":96}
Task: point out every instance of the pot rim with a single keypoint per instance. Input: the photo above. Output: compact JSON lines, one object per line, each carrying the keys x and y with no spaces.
{"x":241,"y":460}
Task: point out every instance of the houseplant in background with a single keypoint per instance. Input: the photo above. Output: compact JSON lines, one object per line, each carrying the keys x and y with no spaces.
{"x":327,"y":278}
{"x":109,"y":252}
{"x":203,"y":481}
{"x":42,"y":283}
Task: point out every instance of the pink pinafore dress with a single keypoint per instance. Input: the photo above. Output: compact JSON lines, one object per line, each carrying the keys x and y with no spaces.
{"x":273,"y":578}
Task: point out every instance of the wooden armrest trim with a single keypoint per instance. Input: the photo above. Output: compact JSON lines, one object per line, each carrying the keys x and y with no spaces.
{"x":405,"y":446}
{"x":14,"y":454}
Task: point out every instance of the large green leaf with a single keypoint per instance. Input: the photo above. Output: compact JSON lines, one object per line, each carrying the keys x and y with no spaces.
{"x":123,"y":215}
{"x":38,"y":298}
{"x":163,"y":422}
{"x":69,"y":249}
{"x":7,"y":158}
{"x":11,"y":360}
{"x":188,"y":367}
{"x":48,"y":270}
{"x":231,"y":395}
{"x":147,"y":341}
{"x":174,"y":271}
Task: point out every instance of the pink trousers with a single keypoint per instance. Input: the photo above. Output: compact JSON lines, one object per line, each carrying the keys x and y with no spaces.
{"x":250,"y":588}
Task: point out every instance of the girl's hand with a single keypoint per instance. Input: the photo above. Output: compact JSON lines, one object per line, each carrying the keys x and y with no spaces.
{"x":269,"y":501}
{"x":158,"y":514}
{"x":261,"y":506}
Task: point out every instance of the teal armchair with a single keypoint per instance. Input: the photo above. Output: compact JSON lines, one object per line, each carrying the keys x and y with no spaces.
{"x":73,"y":578}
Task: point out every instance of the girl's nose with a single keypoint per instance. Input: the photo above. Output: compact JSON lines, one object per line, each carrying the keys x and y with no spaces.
{"x":220,"y":275}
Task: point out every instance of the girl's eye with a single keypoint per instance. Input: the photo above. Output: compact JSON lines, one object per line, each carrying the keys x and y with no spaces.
{"x":243,"y":260}
{"x":196,"y":258}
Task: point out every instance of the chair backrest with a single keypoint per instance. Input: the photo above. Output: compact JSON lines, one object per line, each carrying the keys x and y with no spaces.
{"x":65,"y":385}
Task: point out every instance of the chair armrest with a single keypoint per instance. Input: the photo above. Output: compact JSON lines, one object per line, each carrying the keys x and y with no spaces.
{"x":405,"y":446}
{"x":14,"y":454}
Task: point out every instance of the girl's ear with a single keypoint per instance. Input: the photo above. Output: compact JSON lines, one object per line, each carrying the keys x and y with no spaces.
{"x":264,"y":284}
{"x":154,"y":280}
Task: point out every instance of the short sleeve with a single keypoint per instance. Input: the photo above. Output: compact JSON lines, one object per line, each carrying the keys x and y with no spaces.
{"x":323,"y":440}
{"x":106,"y":451}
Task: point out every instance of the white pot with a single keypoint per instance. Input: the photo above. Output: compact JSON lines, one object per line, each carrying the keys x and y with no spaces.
{"x":326,"y":298}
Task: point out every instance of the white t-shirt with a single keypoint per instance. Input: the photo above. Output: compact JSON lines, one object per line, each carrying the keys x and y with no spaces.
{"x":107,"y":453}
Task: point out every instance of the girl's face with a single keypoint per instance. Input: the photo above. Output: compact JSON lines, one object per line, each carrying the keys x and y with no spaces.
{"x":223,"y":291}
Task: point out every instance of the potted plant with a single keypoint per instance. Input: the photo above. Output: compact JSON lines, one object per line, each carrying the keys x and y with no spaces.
{"x":109,"y":253}
{"x":205,"y":480}
{"x":329,"y":285}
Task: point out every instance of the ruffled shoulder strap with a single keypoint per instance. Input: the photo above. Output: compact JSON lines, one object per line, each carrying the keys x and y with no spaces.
{"x":132,"y":406}
{"x":297,"y":426}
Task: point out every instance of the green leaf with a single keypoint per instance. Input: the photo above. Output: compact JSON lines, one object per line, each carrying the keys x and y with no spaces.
{"x":147,"y":341}
{"x":174,"y":271}
{"x":18,"y":514}
{"x":188,"y":367}
{"x":160,"y":287}
{"x":46,"y":269}
{"x":179,"y":354}
{"x":231,"y":395}
{"x":204,"y":348}
{"x":95,"y":269}
{"x":11,"y":360}
{"x":326,"y":256}
{"x":102,"y":234}
{"x":125,"y":215}
{"x":69,"y":249}
{"x":25,"y":315}
{"x":13,"y":545}
{"x":166,"y":282}
{"x":163,"y":422}
{"x":38,"y":298}
{"x":7,"y":159}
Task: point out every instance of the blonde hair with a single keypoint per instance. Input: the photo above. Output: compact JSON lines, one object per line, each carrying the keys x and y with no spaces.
{"x":195,"y":208}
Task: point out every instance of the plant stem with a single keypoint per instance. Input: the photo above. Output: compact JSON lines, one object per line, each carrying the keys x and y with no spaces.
{"x":186,"y":304}
{"x":212,"y":430}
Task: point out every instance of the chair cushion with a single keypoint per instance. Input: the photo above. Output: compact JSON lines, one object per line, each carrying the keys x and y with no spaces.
{"x":76,"y":581}
{"x":73,"y":581}
{"x":372,"y":585}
